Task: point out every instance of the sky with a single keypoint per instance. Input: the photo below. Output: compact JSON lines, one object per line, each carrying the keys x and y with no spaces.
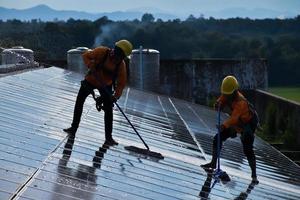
{"x":170,"y":6}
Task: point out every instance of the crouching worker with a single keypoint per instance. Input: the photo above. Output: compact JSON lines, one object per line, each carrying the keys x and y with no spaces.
{"x":243,"y":120}
{"x":106,"y":67}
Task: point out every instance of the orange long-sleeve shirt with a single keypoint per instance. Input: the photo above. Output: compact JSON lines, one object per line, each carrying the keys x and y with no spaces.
{"x":240,"y":114}
{"x":93,"y":59}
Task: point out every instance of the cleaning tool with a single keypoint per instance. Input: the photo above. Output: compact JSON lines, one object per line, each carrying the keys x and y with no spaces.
{"x":218,"y":173}
{"x":130,"y":148}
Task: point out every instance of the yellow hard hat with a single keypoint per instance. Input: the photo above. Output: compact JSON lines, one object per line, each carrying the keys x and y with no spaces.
{"x":229,"y":85}
{"x":125,"y":45}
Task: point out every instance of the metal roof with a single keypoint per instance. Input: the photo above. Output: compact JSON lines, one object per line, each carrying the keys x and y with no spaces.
{"x":39,"y":161}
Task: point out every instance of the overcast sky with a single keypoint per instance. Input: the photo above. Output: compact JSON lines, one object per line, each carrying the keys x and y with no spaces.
{"x":172,"y":6}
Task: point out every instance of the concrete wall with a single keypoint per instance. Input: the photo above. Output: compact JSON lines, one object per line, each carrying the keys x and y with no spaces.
{"x":281,"y":115}
{"x":200,"y":80}
{"x":196,"y":80}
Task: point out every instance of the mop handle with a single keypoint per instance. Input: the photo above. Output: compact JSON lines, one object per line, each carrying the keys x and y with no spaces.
{"x":131,"y":125}
{"x":109,"y":94}
{"x":219,"y":137}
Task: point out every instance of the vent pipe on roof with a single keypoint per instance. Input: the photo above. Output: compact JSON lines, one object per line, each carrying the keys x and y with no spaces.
{"x":144,"y":69}
{"x":75,"y":61}
{"x":17,"y":55}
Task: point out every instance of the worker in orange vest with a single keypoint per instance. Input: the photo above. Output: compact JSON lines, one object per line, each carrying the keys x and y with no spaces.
{"x":106,"y":67}
{"x":243,"y":120}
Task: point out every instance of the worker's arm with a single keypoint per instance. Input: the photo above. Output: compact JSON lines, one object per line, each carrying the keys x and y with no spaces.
{"x":221,"y":101}
{"x":91,"y":58}
{"x":121,"y":80}
{"x":234,"y":120}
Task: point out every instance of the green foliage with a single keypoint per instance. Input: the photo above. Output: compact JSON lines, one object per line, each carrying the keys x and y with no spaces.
{"x":270,"y":127}
{"x":147,"y":17}
{"x":292,"y":93}
{"x":274,"y":39}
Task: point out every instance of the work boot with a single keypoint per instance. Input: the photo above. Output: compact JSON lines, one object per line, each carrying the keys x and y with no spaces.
{"x":71,"y":131}
{"x":110,"y":142}
{"x":255,"y":180}
{"x":210,"y":165}
{"x":213,"y":163}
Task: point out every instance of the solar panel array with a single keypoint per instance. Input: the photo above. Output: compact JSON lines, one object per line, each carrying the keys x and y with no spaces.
{"x":39,"y":161}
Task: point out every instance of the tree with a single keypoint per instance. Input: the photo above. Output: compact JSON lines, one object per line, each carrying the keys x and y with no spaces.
{"x":102,"y":21}
{"x":147,"y":17}
{"x":191,"y":18}
{"x":52,"y":27}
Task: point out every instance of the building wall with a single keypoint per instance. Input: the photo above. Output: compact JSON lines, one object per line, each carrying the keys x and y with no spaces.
{"x":200,"y":80}
{"x":280,"y":118}
{"x":197,"y":80}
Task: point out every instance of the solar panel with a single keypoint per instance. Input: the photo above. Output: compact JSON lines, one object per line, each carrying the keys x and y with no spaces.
{"x":39,"y":161}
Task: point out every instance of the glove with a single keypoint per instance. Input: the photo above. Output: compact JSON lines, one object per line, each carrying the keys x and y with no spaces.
{"x":99,"y":103}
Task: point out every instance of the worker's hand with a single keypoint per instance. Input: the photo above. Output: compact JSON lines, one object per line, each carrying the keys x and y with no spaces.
{"x":99,"y":103}
{"x":216,"y":105}
{"x":114,"y":99}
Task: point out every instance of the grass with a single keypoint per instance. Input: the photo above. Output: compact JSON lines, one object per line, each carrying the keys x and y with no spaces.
{"x":292,"y":93}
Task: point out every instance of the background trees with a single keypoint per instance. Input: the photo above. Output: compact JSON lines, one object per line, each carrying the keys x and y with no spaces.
{"x":274,"y":39}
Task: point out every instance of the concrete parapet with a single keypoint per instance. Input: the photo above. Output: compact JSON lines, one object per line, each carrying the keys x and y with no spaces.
{"x":196,"y":80}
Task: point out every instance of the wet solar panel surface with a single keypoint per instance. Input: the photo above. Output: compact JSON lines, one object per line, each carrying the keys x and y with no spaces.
{"x":39,"y":161}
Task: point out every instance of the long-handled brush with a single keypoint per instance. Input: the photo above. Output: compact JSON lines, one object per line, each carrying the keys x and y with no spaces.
{"x":146,"y":151}
{"x":218,"y":173}
{"x":136,"y":149}
{"x":132,"y":148}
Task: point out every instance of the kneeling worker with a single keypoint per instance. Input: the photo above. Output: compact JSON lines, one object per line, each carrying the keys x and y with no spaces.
{"x":243,"y":120}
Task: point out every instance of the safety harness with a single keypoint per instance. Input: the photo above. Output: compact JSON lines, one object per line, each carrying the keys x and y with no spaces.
{"x":254,"y":121}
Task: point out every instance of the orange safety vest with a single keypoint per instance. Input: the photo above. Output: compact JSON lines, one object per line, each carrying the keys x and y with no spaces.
{"x":240,"y":112}
{"x":99,"y":56}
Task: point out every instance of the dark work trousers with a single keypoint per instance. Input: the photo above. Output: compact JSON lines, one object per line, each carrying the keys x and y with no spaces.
{"x":85,"y":90}
{"x":247,"y":139}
